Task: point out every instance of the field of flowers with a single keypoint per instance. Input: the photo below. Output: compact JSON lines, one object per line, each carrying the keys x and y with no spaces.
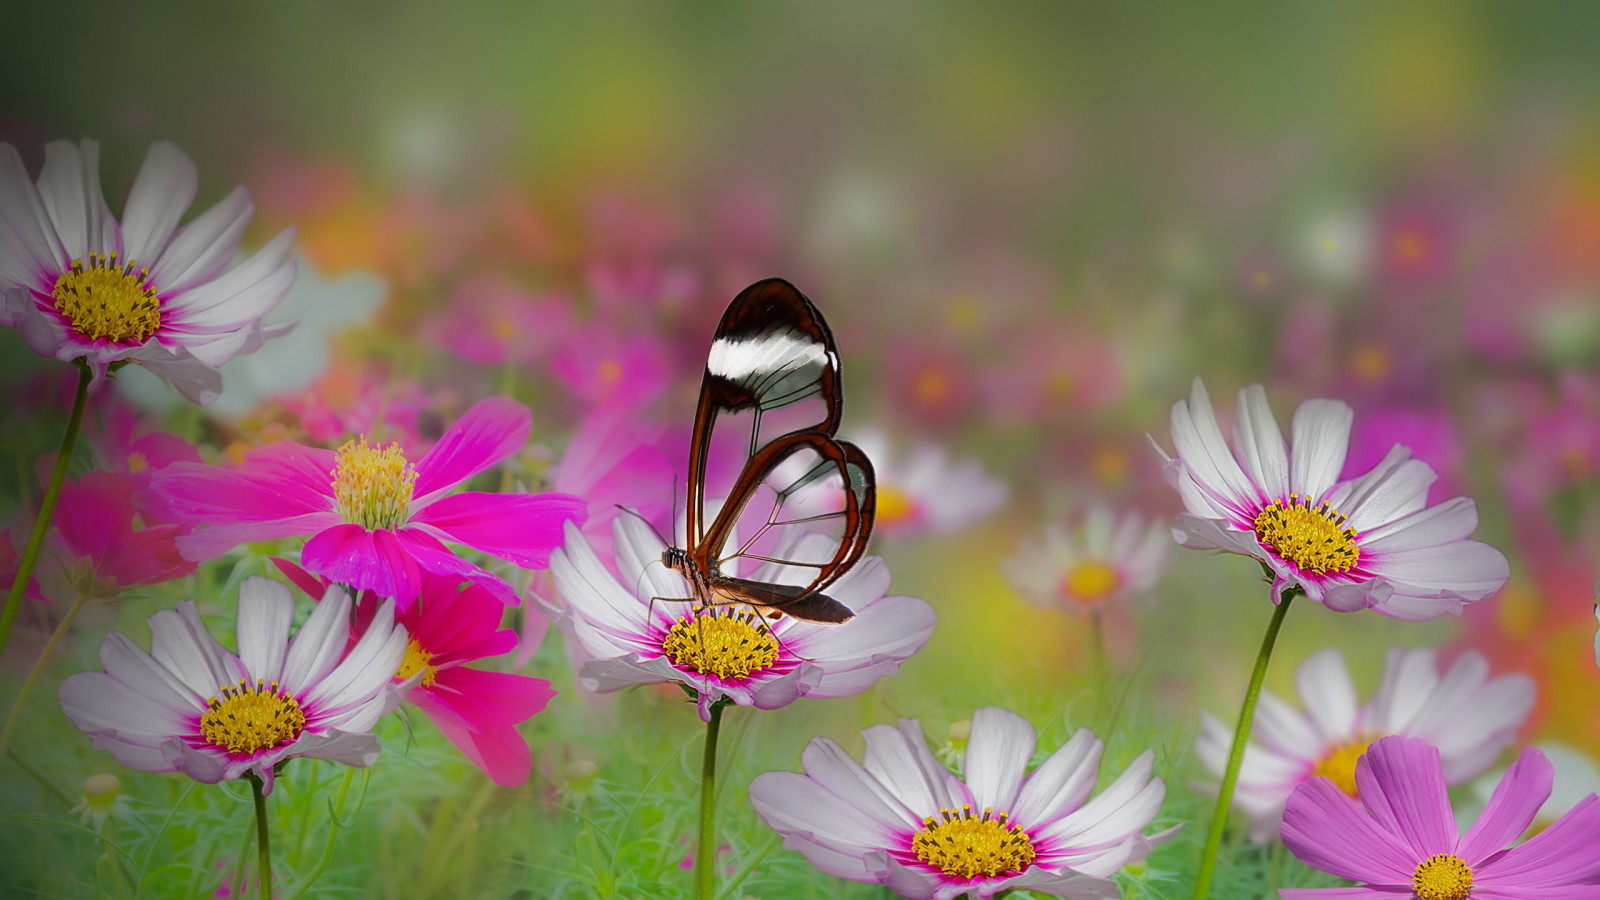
{"x":1224,"y":372}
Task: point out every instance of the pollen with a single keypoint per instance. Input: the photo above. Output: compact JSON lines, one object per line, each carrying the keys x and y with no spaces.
{"x":1313,"y":538}
{"x":247,"y":719}
{"x":1091,"y":580}
{"x":373,"y":485}
{"x":1339,"y":764}
{"x":417,"y":660}
{"x":105,"y":299}
{"x":1443,"y":876}
{"x":963,"y":844}
{"x":721,"y":642}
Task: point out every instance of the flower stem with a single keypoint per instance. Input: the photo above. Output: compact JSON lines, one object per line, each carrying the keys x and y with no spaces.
{"x":705,"y":855}
{"x":47,"y":508}
{"x":38,"y":668}
{"x":263,"y":841}
{"x":1241,"y":734}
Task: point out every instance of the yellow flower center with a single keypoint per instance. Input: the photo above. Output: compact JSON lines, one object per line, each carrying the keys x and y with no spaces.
{"x":417,"y":660}
{"x":720,"y":642}
{"x":609,"y":370}
{"x":1091,"y":580}
{"x":107,"y":301}
{"x":1312,"y":537}
{"x":931,"y":385}
{"x":894,"y":505}
{"x":373,"y":485}
{"x":1442,"y":877}
{"x":249,"y":719}
{"x":965,"y":845}
{"x":1339,"y":764}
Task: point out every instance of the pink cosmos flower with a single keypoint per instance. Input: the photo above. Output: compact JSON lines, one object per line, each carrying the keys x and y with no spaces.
{"x":352,"y":399}
{"x":491,"y":321}
{"x":1401,"y":839}
{"x":77,"y":284}
{"x":603,"y":366}
{"x":1467,"y":715}
{"x":190,"y":706}
{"x":631,"y":638}
{"x":477,"y":710}
{"x":1367,"y":543}
{"x":900,"y":819}
{"x":99,"y":548}
{"x":1088,"y":567}
{"x":376,"y":520}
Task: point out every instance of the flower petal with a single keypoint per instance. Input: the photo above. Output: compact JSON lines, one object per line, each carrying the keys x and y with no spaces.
{"x":493,"y":429}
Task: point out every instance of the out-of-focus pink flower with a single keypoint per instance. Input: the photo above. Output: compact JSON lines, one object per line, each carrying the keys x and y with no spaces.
{"x":1051,"y":370}
{"x":491,"y":321}
{"x":1430,"y":435}
{"x":378,"y":522}
{"x":1416,"y":242}
{"x":98,"y":546}
{"x":931,"y":384}
{"x":350,"y":400}
{"x":1559,"y":446}
{"x":1089,"y":567}
{"x":77,"y":283}
{"x":125,"y":444}
{"x":603,"y":366}
{"x":925,"y":491}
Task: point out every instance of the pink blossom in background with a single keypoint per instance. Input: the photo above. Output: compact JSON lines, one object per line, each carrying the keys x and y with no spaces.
{"x":376,"y":521}
{"x":98,"y":545}
{"x":452,"y":624}
{"x":1416,"y":242}
{"x":490,"y":321}
{"x":125,"y":443}
{"x":1558,"y":446}
{"x":352,"y":400}
{"x":77,"y":283}
{"x":1050,"y":371}
{"x":930,"y":383}
{"x":1429,"y":434}
{"x":600,"y":365}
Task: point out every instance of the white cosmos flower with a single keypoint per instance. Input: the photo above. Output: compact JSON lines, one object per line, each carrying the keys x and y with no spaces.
{"x":1371,"y":542}
{"x":191,"y":706}
{"x":77,"y":283}
{"x":1468,"y":715}
{"x":631,"y":637}
{"x":924,"y":491}
{"x":1089,"y":566}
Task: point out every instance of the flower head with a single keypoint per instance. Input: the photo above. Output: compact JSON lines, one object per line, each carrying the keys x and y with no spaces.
{"x":191,"y":706}
{"x":926,"y":492}
{"x":1370,"y":542}
{"x":1401,"y":838}
{"x":899,"y":818}
{"x":1467,"y":715}
{"x":632,"y":637}
{"x":79,"y":284}
{"x":1090,"y":566}
{"x":378,"y":521}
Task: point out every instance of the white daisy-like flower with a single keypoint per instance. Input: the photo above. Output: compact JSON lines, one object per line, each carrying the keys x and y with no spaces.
{"x":898,"y":818}
{"x":77,"y":283}
{"x":191,"y":706}
{"x":1087,"y":567}
{"x":1468,"y":715}
{"x":1371,"y":542}
{"x":925,"y":491}
{"x":632,"y":637}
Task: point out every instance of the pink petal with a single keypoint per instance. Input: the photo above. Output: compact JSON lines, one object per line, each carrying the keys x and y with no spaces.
{"x":1403,"y":790}
{"x":522,"y":528}
{"x":365,"y":560}
{"x":479,"y":711}
{"x":1515,"y":801}
{"x":493,"y":429}
{"x":1562,"y":854}
{"x":1326,"y":830}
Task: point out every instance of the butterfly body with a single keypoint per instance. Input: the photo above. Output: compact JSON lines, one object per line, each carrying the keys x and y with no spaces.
{"x":772,"y":355}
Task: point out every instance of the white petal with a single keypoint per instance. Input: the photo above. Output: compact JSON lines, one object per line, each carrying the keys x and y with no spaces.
{"x":1002,"y":742}
{"x":199,"y":250}
{"x":69,"y":185}
{"x":266,"y":611}
{"x":1321,"y":440}
{"x":162,"y":191}
{"x":1262,"y":453}
{"x":319,"y":644}
{"x":1324,"y":685}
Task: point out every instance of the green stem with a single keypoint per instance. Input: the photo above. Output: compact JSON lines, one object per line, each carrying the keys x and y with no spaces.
{"x":705,"y":855}
{"x":263,"y":841}
{"x":47,"y":508}
{"x":38,"y":668}
{"x":1241,"y":734}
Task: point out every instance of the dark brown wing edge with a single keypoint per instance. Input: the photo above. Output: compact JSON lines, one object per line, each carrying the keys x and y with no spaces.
{"x":794,"y":600}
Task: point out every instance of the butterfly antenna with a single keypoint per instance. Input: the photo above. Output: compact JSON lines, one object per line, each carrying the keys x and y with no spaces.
{"x":648,"y":524}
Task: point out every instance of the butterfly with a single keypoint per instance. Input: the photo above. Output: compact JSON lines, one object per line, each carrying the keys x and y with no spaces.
{"x":773,"y":360}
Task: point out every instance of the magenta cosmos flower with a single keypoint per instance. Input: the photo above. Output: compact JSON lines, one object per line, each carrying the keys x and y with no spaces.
{"x":726,"y":651}
{"x":478,"y":711}
{"x":376,"y":520}
{"x":1371,"y":542}
{"x":1401,"y":840}
{"x":190,"y":706}
{"x":899,"y":818}
{"x":77,"y":284}
{"x":1467,"y":715}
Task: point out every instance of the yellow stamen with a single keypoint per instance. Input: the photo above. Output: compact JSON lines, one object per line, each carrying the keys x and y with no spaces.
{"x":1091,"y":580}
{"x":966,"y":845}
{"x":417,"y":660}
{"x":1443,"y":876}
{"x":249,"y":719}
{"x":1312,"y":537}
{"x":609,"y":370}
{"x":107,"y":300}
{"x":931,"y":385}
{"x":373,"y":485}
{"x":1339,"y":764}
{"x":894,"y":505}
{"x":720,"y":642}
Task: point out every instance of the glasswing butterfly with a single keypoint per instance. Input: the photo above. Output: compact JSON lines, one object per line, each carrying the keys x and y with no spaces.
{"x":773,"y":362}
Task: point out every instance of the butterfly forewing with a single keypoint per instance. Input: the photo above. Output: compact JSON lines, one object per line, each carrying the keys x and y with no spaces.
{"x":772,"y":378}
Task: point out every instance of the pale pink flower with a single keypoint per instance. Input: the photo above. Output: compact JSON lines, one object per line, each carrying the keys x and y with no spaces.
{"x":898,"y":818}
{"x":191,"y":706}
{"x":79,"y":284}
{"x":1370,"y":542}
{"x":925,"y":492}
{"x":1089,"y":566}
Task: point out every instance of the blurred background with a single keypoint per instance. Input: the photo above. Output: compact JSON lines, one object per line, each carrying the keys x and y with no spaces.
{"x":1030,"y":225}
